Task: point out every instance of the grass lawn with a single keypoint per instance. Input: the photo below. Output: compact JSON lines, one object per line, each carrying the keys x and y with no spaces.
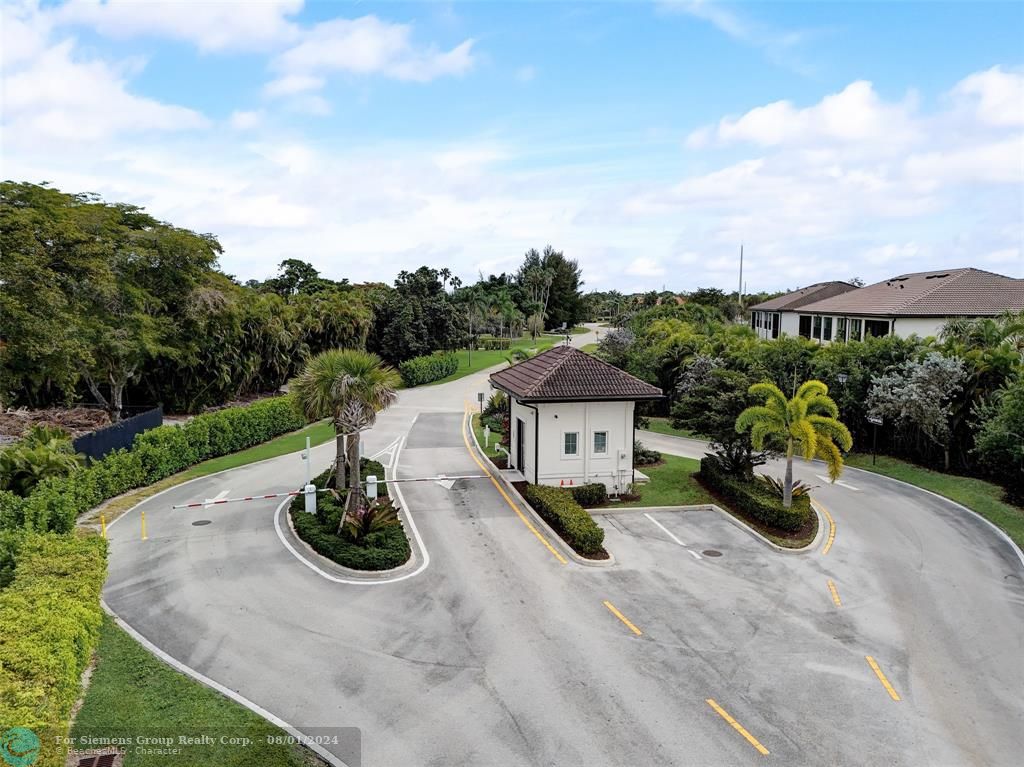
{"x":133,"y":694}
{"x":589,"y":348}
{"x":496,"y":437}
{"x":481,"y":359}
{"x":663,"y":426}
{"x":976,"y":494}
{"x":287,"y":443}
{"x":672,"y":484}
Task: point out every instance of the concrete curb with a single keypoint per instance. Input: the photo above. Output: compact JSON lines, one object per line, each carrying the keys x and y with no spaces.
{"x":556,"y":539}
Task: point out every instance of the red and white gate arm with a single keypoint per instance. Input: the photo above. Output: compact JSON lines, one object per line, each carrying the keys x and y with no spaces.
{"x":233,"y":500}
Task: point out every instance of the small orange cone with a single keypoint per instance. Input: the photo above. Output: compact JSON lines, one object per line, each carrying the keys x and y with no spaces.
{"x":570,"y":483}
{"x":561,"y":483}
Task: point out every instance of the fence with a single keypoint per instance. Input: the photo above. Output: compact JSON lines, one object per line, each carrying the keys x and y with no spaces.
{"x":121,"y":434}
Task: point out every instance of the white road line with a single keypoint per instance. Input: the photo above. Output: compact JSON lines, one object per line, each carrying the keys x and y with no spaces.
{"x":837,"y":482}
{"x":209,"y":501}
{"x":671,"y":535}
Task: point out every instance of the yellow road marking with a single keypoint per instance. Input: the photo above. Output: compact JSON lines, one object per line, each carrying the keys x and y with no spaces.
{"x":622,"y":618}
{"x":500,"y":489}
{"x":835,"y":594}
{"x":831,"y":531}
{"x":881,"y":678}
{"x":737,"y":726}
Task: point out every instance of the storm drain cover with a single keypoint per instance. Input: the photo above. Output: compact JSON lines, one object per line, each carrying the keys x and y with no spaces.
{"x":201,"y":522}
{"x":711,"y":553}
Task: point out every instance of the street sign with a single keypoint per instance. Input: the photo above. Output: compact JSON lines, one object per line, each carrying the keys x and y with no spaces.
{"x":480,"y":399}
{"x":875,"y":419}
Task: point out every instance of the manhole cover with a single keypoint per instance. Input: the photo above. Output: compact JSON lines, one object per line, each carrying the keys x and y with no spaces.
{"x":711,"y":553}
{"x":201,"y":522}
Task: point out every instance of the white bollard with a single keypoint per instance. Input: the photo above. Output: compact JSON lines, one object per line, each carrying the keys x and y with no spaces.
{"x":487,"y":436}
{"x":371,"y":487}
{"x":309,"y":491}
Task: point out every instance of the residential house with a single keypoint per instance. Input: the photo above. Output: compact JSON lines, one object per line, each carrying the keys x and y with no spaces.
{"x":776,"y":316}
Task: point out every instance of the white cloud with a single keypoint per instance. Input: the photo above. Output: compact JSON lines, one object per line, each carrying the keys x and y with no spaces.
{"x":289,"y":85}
{"x":855,"y":114}
{"x":368,"y":45}
{"x":996,"y":96}
{"x":246,"y":120}
{"x":644,"y":267}
{"x":526,"y":73}
{"x":210,"y":26}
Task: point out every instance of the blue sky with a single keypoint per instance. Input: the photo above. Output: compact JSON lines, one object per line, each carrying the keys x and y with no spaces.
{"x":645,"y":139}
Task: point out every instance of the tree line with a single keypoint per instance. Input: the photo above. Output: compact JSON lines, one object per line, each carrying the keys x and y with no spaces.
{"x":103,"y":302}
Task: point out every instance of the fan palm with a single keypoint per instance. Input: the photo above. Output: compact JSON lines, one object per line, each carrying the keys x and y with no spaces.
{"x":809,"y":422}
{"x":350,"y":387}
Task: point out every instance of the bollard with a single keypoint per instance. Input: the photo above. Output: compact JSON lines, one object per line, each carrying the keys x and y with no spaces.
{"x":371,"y":487}
{"x":309,"y":492}
{"x":103,"y":526}
{"x":144,"y":536}
{"x":487,"y":436}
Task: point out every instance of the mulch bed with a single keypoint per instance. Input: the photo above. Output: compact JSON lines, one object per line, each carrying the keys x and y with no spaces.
{"x":77,"y":420}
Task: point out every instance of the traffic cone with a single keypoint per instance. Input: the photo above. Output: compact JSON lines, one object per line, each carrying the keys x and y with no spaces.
{"x":570,"y":482}
{"x":561,"y":483}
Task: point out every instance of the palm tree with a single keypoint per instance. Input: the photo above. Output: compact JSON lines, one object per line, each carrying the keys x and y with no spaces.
{"x":808,"y":422}
{"x":350,"y":387}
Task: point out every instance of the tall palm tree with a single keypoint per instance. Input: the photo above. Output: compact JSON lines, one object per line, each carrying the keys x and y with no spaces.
{"x":350,"y":387}
{"x":809,"y":422}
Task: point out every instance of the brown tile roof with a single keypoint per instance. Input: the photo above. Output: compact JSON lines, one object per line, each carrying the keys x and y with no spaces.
{"x":564,"y":373}
{"x":943,"y":293}
{"x":804,"y":296}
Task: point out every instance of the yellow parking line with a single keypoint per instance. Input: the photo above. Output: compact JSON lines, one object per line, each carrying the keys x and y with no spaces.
{"x":881,"y":678}
{"x":500,"y":489}
{"x":622,"y":618}
{"x":831,"y":531}
{"x":737,"y":726}
{"x":835,"y":594}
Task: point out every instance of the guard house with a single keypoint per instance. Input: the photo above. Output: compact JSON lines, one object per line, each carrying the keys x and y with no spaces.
{"x":571,"y":418}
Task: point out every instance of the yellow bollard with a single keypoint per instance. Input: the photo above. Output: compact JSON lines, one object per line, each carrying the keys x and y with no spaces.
{"x":144,"y":536}
{"x":103,"y":526}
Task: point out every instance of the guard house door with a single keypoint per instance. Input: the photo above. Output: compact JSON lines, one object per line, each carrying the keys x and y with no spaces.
{"x":520,"y":443}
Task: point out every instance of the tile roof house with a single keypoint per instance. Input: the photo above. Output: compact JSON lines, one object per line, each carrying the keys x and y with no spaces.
{"x":919,"y":303}
{"x":766,"y":317}
{"x":571,"y":418}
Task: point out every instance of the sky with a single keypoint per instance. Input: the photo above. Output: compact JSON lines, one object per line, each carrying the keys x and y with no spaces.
{"x":647,"y":140}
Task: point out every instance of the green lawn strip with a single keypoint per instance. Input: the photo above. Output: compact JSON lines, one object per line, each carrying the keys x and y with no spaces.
{"x":133,"y":694}
{"x":589,"y":348}
{"x":672,"y":484}
{"x":496,"y":437}
{"x":483,"y":359}
{"x":664,"y":426}
{"x":985,"y":498}
{"x":287,"y":443}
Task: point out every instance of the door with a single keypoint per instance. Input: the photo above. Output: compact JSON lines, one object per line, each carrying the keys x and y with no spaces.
{"x":520,"y":443}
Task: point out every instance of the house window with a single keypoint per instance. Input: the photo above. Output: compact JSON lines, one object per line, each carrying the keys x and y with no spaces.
{"x":855,"y":330}
{"x":826,"y":334}
{"x":876,"y":328}
{"x":840,"y":328}
{"x":571,"y":443}
{"x":753,"y":319}
{"x":775,"y":325}
{"x":805,"y":325}
{"x":600,"y":442}
{"x":817,"y":326}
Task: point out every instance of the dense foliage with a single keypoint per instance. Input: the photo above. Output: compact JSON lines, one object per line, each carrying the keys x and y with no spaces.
{"x":429,"y":368}
{"x":379,"y":549}
{"x":933,"y":412}
{"x":590,"y":495}
{"x":56,"y":502}
{"x":755,"y":499}
{"x":103,"y":301}
{"x":43,"y":452}
{"x":570,"y":520}
{"x":50,"y":617}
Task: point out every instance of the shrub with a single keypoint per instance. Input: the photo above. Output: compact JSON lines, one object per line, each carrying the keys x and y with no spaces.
{"x":431,"y":367}
{"x":497,"y":405}
{"x":494,"y":344}
{"x":567,"y":517}
{"x":643,"y":456}
{"x":382,"y":549}
{"x":44,"y":451}
{"x":589,"y":496}
{"x":56,"y":502}
{"x":50,"y":617}
{"x":754,"y":498}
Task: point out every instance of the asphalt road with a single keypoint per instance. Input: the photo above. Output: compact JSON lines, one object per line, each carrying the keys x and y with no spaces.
{"x":495,"y":652}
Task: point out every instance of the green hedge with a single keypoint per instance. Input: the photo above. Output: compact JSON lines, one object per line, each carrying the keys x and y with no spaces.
{"x":490,"y":344}
{"x":432,"y":367}
{"x":56,"y":502}
{"x":571,"y":520}
{"x":589,"y":496}
{"x":382,"y":550}
{"x":50,"y":618}
{"x":754,"y":498}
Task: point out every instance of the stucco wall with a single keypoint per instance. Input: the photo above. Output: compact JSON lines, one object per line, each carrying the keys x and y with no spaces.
{"x":584,"y":418}
{"x":790,"y":325}
{"x":905,"y":327}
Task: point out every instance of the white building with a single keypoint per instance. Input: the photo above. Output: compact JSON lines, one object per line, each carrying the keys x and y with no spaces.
{"x":909,"y":304}
{"x":775,"y":316}
{"x":571,"y":418}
